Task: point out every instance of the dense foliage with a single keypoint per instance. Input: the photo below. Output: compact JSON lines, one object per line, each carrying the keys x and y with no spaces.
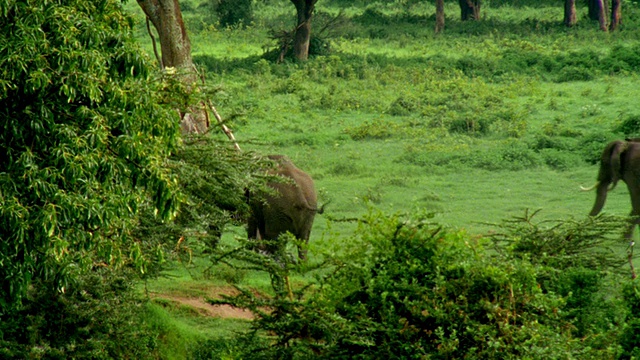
{"x":99,"y":317}
{"x":407,"y":288}
{"x":87,"y":145}
{"x":83,"y":141}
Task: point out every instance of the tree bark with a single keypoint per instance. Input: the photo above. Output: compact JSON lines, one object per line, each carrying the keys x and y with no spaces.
{"x":602,"y":14}
{"x":304,"y":9}
{"x":593,"y":12}
{"x":439,"y":16}
{"x":569,"y":13}
{"x":598,"y":11}
{"x":615,"y":14}
{"x":469,"y":9}
{"x":166,"y":17}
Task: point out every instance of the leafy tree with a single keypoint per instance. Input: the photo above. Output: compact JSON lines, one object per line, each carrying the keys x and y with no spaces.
{"x":83,"y":142}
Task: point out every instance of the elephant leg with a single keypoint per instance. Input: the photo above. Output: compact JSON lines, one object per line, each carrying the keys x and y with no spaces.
{"x":634,"y":192}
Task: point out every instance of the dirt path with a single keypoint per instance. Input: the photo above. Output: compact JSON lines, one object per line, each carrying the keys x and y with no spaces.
{"x":201,"y":306}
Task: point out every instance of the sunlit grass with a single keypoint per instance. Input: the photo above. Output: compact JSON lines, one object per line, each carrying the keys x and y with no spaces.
{"x":372,"y":124}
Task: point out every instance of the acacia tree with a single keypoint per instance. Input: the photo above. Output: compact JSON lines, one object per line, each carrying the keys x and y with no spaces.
{"x":83,"y":142}
{"x":166,"y":17}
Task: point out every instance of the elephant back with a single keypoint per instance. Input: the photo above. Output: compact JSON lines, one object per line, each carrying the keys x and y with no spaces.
{"x":301,"y":191}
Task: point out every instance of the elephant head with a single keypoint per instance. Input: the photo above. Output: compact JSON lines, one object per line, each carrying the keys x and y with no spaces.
{"x":290,"y":207}
{"x":620,"y":161}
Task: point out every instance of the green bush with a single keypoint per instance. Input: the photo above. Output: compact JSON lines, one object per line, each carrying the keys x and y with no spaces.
{"x":593,"y":144}
{"x":96,"y":317}
{"x":379,"y":129}
{"x":511,"y":155}
{"x":629,"y":126}
{"x":234,"y":12}
{"x":405,"y":288}
{"x":560,"y":160}
{"x":574,"y":73}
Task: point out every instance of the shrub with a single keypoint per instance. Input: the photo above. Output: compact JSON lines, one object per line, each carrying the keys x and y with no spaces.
{"x":574,"y":73}
{"x":511,"y":155}
{"x":379,"y":129}
{"x":560,"y":160}
{"x":403,"y":106}
{"x":629,"y":126}
{"x":234,"y":12}
{"x":406,"y":288}
{"x":95,"y":318}
{"x":592,"y":145}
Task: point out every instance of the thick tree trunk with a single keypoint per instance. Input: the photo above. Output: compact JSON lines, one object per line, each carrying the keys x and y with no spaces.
{"x":569,"y":13}
{"x":598,"y":11}
{"x":166,"y":17}
{"x":469,"y":9}
{"x":615,"y":14}
{"x":439,"y":15}
{"x":602,"y":14}
{"x":304,"y":9}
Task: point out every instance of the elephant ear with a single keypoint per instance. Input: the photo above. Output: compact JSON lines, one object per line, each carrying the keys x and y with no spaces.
{"x":617,"y":150}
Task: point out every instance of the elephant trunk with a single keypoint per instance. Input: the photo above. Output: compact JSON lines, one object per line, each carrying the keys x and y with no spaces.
{"x":601,"y":197}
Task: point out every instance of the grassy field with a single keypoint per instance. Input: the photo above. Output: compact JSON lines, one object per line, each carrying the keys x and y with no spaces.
{"x":475,"y":125}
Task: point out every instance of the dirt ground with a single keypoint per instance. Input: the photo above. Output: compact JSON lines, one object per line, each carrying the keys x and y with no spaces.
{"x":201,"y":306}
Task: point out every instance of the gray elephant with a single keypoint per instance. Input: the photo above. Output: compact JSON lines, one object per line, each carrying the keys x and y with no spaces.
{"x":620,"y":161}
{"x":291,"y":206}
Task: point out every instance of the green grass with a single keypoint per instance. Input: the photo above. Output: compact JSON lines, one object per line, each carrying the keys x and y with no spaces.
{"x":381,"y":121}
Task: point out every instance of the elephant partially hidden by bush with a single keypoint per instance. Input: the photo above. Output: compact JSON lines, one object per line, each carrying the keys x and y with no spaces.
{"x":620,"y":161}
{"x":291,"y":206}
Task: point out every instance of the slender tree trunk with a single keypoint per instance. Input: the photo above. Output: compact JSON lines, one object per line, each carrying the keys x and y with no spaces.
{"x":166,"y":17}
{"x":615,"y":14}
{"x":469,"y":9}
{"x":569,"y":13}
{"x":439,"y":16}
{"x":304,"y":9}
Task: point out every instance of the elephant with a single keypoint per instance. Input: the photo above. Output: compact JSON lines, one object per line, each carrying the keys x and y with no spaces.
{"x":291,"y":207}
{"x":620,"y":161}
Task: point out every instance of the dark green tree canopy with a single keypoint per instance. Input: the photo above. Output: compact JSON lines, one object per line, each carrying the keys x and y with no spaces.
{"x":82,"y":137}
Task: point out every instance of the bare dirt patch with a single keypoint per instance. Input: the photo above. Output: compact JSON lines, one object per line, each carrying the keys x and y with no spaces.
{"x":202,"y":307}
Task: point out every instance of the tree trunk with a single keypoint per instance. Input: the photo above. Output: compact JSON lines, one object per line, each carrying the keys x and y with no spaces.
{"x":166,"y":17}
{"x":470,"y":9}
{"x":615,"y":14}
{"x":569,"y":13}
{"x":602,"y":14}
{"x":439,"y":16}
{"x":598,"y":11}
{"x":304,"y":9}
